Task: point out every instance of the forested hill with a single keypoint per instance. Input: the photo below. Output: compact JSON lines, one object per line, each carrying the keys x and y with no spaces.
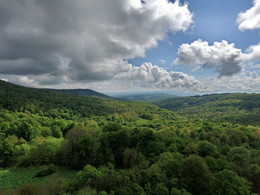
{"x":125,"y":147}
{"x":56,"y":104}
{"x":83,"y":92}
{"x":239,"y":108}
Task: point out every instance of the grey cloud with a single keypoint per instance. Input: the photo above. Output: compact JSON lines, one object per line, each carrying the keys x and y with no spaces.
{"x":226,"y":67}
{"x":97,"y":36}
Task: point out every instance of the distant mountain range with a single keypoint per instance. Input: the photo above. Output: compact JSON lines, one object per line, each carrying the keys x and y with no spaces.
{"x":83,"y":92}
{"x":53,"y":103}
{"x":237,"y":108}
{"x":146,"y":97}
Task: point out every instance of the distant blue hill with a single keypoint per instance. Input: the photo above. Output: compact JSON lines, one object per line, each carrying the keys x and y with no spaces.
{"x":83,"y":92}
{"x":146,"y":97}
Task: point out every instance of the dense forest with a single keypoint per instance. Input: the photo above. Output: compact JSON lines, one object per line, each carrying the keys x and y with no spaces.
{"x":60,"y":143}
{"x":235,"y":108}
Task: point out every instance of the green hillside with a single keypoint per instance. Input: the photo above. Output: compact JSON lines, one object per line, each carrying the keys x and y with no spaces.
{"x":83,"y":92}
{"x":56,"y":104}
{"x":239,"y":108}
{"x":60,"y":143}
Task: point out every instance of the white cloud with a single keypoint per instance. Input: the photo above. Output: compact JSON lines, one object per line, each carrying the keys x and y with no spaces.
{"x":250,"y":19}
{"x":145,"y":77}
{"x":162,"y":61}
{"x":196,"y":69}
{"x":253,"y":52}
{"x":96,"y":37}
{"x":245,"y":81}
{"x":221,"y":56}
{"x":148,"y":75}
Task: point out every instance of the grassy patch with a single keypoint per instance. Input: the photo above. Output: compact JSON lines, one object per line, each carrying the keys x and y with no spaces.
{"x":14,"y":177}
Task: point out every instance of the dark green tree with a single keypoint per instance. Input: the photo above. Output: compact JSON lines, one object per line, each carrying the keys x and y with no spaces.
{"x":228,"y":182}
{"x":195,"y":175}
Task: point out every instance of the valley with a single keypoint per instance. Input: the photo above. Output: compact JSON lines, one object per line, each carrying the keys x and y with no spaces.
{"x":181,"y":145}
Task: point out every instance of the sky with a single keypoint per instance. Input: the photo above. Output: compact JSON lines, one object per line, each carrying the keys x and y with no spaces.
{"x":184,"y":47}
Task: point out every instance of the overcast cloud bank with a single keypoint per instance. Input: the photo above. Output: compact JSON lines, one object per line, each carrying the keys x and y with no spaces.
{"x":87,"y":44}
{"x":94,"y":38}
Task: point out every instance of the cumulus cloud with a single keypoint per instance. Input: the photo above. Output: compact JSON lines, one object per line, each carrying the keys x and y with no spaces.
{"x":245,"y":81}
{"x":154,"y":76}
{"x":145,"y":77}
{"x":250,"y":19}
{"x":253,"y":52}
{"x":95,"y":37}
{"x":221,"y":56}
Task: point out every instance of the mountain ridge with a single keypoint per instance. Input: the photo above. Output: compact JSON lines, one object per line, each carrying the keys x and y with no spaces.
{"x":146,"y":97}
{"x":242,"y":108}
{"x":83,"y":92}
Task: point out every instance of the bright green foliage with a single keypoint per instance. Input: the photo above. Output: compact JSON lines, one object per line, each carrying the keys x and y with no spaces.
{"x":129,"y":147}
{"x":235,"y":108}
{"x":11,"y":148}
{"x":43,"y":151}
